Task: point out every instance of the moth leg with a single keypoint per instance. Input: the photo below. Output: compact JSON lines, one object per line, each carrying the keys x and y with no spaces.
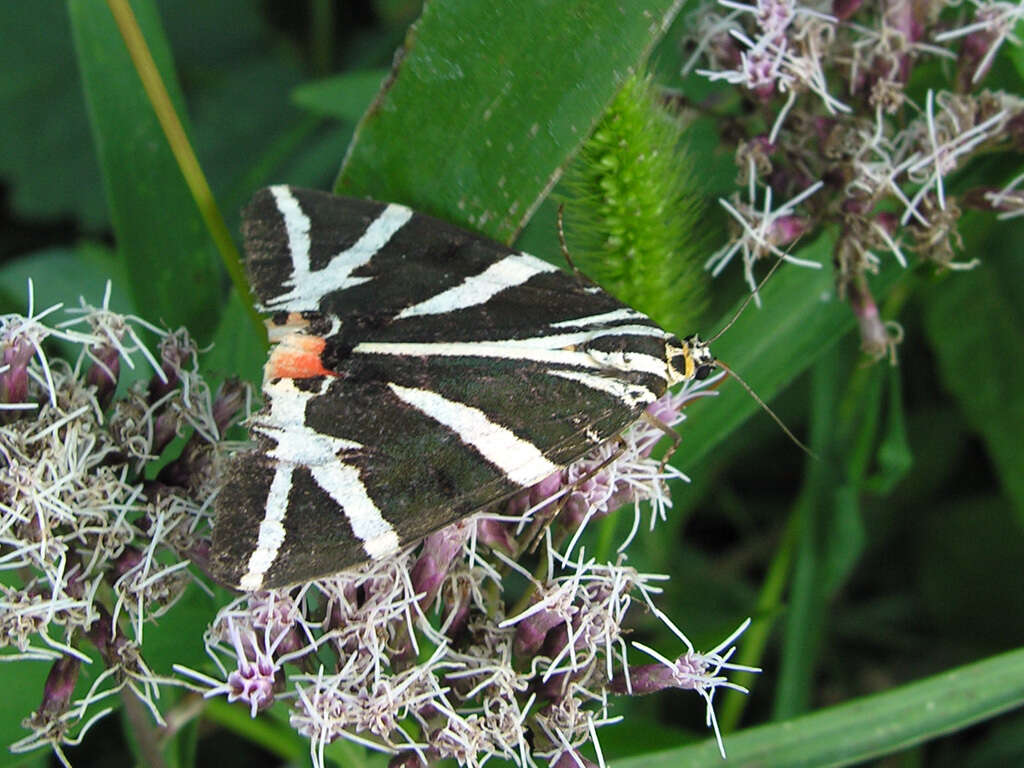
{"x":537,"y":529}
{"x":671,"y":433}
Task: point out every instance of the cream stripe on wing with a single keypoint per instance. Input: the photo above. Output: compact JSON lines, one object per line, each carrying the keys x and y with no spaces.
{"x":633,"y":362}
{"x":307,"y":286}
{"x":300,"y":445}
{"x":519,"y":459}
{"x":296,"y":225}
{"x":342,"y":483}
{"x":478,"y":289}
{"x":551,"y":341}
{"x":271,"y":533}
{"x":607,"y":317}
{"x":557,"y":348}
{"x":633,"y":395}
{"x":285,"y":423}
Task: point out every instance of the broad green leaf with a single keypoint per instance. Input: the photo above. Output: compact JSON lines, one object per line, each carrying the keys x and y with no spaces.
{"x":177,"y":637}
{"x":966,"y":557}
{"x":868,"y":727}
{"x":489,"y":100}
{"x":800,"y":318}
{"x":236,"y":350}
{"x":169,"y":257}
{"x":273,"y":734}
{"x":46,"y":163}
{"x":975,"y":323}
{"x":61,"y":276}
{"x":351,"y":755}
{"x":344,"y":97}
{"x":23,"y":691}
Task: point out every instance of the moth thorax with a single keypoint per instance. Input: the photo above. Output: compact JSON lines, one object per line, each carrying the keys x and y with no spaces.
{"x":688,"y":359}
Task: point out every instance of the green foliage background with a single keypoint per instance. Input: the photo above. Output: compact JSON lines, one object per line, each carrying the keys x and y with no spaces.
{"x":896,"y":558}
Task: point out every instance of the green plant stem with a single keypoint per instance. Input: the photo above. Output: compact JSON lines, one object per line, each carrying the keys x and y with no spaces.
{"x":181,"y":148}
{"x":143,"y":732}
{"x":755,"y":639}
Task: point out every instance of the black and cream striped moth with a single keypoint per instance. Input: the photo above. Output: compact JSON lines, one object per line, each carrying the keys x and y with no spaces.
{"x":419,"y":373}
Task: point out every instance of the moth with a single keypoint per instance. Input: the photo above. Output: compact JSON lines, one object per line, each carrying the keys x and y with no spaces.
{"x":419,"y":372}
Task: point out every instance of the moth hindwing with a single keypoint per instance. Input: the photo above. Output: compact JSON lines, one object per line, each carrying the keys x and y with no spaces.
{"x":419,"y":373}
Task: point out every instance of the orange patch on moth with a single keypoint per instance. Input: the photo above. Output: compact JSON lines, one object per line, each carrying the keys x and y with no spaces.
{"x":297,"y":356}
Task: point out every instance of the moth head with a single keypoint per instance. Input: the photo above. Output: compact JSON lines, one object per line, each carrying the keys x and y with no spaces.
{"x":689,"y":359}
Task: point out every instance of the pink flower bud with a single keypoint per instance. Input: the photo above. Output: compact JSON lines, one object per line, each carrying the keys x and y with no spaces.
{"x":253,"y":683}
{"x":876,"y":337}
{"x":103,"y":373}
{"x":456,"y":615}
{"x":572,"y":759}
{"x":59,"y":687}
{"x":546,"y":488}
{"x":844,"y":9}
{"x":643,"y":679}
{"x":532,"y":631}
{"x":159,"y":387}
{"x":496,"y":535}
{"x":889,"y":222}
{"x":127,"y":560}
{"x":855,"y":206}
{"x":228,"y":402}
{"x":786,"y":229}
{"x":14,"y":380}
{"x":165,"y":428}
{"x":973,"y":54}
{"x":992,"y":199}
{"x":439,"y":550}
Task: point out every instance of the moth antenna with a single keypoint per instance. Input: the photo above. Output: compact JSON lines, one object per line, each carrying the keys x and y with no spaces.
{"x":750,"y":298}
{"x":561,"y":240}
{"x":766,"y":409}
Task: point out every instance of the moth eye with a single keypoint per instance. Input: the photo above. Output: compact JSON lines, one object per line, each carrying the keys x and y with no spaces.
{"x":703,"y":371}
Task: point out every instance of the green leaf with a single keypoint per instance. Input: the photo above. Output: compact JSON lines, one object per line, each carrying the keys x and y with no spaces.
{"x":344,"y":752}
{"x":488,"y":101}
{"x":23,"y":691}
{"x":236,"y":350}
{"x":894,"y":456}
{"x":810,"y":587}
{"x":799,"y":320}
{"x":46,"y":163}
{"x":178,"y":638}
{"x":975,"y":323}
{"x":62,"y":275}
{"x":344,"y":97}
{"x":173,"y":270}
{"x":868,"y":727}
{"x":274,"y":735}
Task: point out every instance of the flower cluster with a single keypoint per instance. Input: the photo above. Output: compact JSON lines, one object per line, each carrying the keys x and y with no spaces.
{"x":835,"y":128}
{"x":497,"y":637}
{"x":91,"y":551}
